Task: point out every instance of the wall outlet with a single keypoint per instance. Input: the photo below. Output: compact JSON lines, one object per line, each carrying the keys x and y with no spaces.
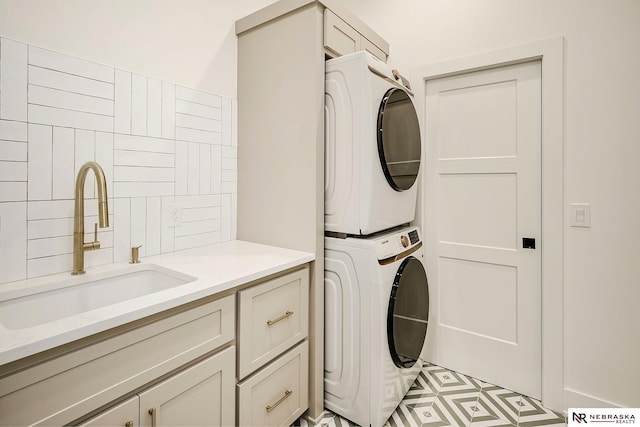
{"x":174,"y":215}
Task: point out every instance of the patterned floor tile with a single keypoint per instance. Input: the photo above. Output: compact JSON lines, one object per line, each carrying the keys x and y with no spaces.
{"x":532,"y":413}
{"x":499,"y":406}
{"x":440,"y":398}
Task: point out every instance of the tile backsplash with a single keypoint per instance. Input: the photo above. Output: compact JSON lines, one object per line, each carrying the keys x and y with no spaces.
{"x":162,"y":147}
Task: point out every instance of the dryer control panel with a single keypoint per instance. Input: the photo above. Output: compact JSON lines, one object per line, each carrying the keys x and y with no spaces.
{"x":395,"y":243}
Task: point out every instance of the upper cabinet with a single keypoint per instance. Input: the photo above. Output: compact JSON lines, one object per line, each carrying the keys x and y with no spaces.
{"x":340,"y":38}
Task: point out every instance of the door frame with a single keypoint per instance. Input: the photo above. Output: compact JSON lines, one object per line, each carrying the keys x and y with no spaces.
{"x":551,"y":54}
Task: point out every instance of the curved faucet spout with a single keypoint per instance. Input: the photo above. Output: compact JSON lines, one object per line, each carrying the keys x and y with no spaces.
{"x":79,"y":247}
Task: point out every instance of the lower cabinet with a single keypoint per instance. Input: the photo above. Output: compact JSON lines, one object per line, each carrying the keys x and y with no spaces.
{"x":197,"y":396}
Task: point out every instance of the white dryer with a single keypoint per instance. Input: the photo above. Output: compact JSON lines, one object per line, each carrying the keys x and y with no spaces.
{"x":372,"y":147}
{"x":376,"y":312}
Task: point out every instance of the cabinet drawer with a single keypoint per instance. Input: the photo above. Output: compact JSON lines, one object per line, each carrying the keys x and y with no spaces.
{"x":123,"y":414}
{"x":273,"y":316}
{"x":93,"y":376}
{"x":276,"y":395}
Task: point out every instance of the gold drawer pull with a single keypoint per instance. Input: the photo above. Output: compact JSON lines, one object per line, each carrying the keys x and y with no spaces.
{"x":276,"y":320}
{"x":287,"y":393}
{"x":154,"y":417}
{"x":128,"y":424}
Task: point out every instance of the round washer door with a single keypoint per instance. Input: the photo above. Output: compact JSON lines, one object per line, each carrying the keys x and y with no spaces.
{"x":408,"y":313}
{"x":398,"y":139}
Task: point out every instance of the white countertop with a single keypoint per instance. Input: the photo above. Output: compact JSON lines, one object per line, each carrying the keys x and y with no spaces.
{"x":217,"y":268}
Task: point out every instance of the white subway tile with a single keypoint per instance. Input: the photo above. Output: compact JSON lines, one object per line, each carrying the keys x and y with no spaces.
{"x":69,"y":100}
{"x":141,"y":189}
{"x":205,"y":169}
{"x":201,"y":201}
{"x":154,"y":108}
{"x":199,"y":97}
{"x":13,"y":241}
{"x":121,"y":229}
{"x":40,"y":162}
{"x":168,"y":110}
{"x":68,"y":64}
{"x":13,"y":191}
{"x":197,"y":240}
{"x":139,"y":223}
{"x":234,"y":215}
{"x":234,"y":123}
{"x":230,"y":152}
{"x":13,"y":131}
{"x":52,"y":246}
{"x":85,"y":151}
{"x":104,"y":156}
{"x":122,"y":101}
{"x":154,"y":225}
{"x":229,"y":163}
{"x":50,"y":209}
{"x":216,"y":168}
{"x":227,"y":121}
{"x":49,"y":265}
{"x":226,"y":224}
{"x":199,"y":123}
{"x":13,"y":80}
{"x":193,"y":168}
{"x":143,"y":143}
{"x":143,"y":174}
{"x":69,"y":82}
{"x":195,"y":135}
{"x":67,"y":118}
{"x":57,"y":227}
{"x":198,"y":227}
{"x":198,"y":110}
{"x":102,"y":256}
{"x":63,"y":163}
{"x":182,"y":168}
{"x":13,"y":171}
{"x":138,"y":105}
{"x":229,"y":176}
{"x":140,"y":158}
{"x":13,"y":151}
{"x":229,"y":187}
{"x":167,"y":238}
{"x":201,"y":214}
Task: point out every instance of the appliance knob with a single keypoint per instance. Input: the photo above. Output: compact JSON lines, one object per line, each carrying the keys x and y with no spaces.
{"x":405,"y":241}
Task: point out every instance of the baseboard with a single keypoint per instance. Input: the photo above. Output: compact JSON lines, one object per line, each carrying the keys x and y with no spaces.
{"x":576,"y":399}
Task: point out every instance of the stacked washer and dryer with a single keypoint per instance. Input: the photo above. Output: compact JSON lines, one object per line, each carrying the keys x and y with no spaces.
{"x":376,"y":291}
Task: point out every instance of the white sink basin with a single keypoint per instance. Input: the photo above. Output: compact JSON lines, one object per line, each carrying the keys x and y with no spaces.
{"x":79,"y":294}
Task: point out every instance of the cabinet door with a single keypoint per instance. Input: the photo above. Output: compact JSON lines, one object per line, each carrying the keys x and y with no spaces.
{"x":202,"y":395}
{"x":125,"y":414}
{"x":339,"y":37}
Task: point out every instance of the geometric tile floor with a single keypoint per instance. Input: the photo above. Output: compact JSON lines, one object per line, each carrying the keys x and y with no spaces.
{"x":440,"y":397}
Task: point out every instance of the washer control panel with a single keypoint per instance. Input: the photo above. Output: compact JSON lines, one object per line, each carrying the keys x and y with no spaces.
{"x":392,"y":244}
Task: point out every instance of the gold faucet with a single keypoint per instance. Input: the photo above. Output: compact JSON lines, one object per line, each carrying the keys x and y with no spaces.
{"x":79,"y":246}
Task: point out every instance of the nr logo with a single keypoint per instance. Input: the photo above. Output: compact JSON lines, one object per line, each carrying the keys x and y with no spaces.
{"x":579,"y":418}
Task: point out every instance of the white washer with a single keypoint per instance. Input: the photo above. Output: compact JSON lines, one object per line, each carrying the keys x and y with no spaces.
{"x":376,"y":312}
{"x":372,"y":147}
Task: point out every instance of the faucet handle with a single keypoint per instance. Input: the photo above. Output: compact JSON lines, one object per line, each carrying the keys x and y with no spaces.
{"x":95,"y":244}
{"x":95,"y":232}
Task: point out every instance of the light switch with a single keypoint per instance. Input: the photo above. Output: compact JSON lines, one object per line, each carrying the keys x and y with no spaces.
{"x":580,"y":214}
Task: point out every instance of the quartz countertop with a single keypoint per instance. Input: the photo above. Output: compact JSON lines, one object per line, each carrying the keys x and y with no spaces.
{"x":217,"y":268}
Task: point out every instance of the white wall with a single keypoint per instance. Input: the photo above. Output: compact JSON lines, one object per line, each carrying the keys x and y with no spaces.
{"x":602,"y":150}
{"x":190,"y":42}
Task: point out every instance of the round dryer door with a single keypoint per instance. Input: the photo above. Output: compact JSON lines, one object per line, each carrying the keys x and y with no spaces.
{"x":408,"y":313}
{"x":398,"y":139}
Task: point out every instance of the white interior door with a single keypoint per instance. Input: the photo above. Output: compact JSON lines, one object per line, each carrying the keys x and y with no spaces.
{"x":483,"y":198}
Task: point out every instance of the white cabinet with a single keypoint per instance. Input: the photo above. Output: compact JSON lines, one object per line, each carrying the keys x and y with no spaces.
{"x":281,"y":54}
{"x":340,"y":38}
{"x":273,"y":353}
{"x":70,"y":386}
{"x":201,"y":395}
{"x":272,"y":317}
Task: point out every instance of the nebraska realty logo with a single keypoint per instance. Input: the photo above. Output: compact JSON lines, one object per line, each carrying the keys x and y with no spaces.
{"x":581,"y":416}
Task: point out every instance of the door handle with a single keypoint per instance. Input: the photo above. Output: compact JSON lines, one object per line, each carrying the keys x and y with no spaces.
{"x":528,"y":243}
